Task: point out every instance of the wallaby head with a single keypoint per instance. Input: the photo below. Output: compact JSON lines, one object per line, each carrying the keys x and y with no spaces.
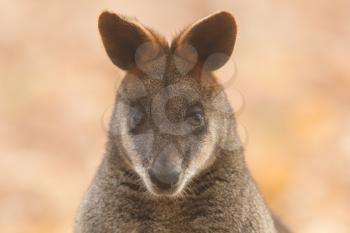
{"x":171,"y":114}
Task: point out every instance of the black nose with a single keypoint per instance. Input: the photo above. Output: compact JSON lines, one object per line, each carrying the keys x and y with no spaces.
{"x":164,"y":179}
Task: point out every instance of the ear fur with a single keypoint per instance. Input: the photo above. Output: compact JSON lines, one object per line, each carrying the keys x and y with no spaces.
{"x":126,"y":40}
{"x":213,"y":39}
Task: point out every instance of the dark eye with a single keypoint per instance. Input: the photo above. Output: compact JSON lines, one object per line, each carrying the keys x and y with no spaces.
{"x":137,"y":118}
{"x":196,"y":118}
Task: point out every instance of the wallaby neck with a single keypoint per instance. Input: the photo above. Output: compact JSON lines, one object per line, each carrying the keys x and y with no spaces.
{"x":225,"y":192}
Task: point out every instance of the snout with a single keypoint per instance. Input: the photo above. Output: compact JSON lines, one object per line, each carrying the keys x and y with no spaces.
{"x":163,"y":179}
{"x":165,"y":174}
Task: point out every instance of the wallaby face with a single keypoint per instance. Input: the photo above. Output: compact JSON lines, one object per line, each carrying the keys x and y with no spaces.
{"x":170,"y":114}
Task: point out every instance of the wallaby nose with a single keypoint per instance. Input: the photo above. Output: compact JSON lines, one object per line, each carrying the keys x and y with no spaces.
{"x":165,"y":170}
{"x":164,"y":179}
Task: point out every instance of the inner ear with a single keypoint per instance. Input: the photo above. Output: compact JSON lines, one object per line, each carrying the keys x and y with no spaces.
{"x":125,"y":38}
{"x":213,"y":39}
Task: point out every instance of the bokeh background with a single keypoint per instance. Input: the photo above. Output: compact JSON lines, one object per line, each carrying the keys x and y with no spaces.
{"x":291,"y":91}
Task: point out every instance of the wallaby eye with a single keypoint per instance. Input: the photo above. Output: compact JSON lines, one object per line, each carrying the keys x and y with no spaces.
{"x":196,"y":117}
{"x":137,"y":118}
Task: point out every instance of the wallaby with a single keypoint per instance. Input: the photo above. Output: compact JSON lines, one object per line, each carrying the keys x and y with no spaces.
{"x":173,"y":161}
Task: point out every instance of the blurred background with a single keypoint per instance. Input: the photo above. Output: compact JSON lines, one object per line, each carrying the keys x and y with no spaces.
{"x":291,"y":92}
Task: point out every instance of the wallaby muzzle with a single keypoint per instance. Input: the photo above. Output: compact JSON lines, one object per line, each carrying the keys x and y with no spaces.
{"x":165,"y":171}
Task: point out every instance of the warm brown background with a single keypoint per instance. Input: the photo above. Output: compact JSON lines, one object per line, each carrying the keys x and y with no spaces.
{"x":57,"y":84}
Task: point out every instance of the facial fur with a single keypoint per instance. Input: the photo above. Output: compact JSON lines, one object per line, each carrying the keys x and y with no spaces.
{"x":170,"y":114}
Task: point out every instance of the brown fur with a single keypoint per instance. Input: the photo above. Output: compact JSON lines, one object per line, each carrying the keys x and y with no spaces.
{"x":215,"y":191}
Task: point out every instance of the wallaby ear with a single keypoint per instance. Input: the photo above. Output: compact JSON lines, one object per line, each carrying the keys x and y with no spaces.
{"x":126,"y":41}
{"x":212,"y":38}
